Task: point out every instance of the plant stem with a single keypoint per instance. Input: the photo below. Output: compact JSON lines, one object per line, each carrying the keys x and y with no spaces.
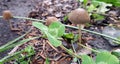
{"x":113,"y":38}
{"x":88,"y":48}
{"x":29,"y":19}
{"x":69,"y":27}
{"x":70,"y":52}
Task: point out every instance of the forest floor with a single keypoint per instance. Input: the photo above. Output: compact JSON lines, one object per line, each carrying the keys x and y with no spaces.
{"x":41,"y":9}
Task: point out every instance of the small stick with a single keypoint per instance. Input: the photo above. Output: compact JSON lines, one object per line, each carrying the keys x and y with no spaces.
{"x":13,"y":50}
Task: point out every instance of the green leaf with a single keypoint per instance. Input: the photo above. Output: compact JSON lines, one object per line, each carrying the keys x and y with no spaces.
{"x":65,"y":18}
{"x":56,"y":29}
{"x":85,"y":2}
{"x":47,"y":61}
{"x":116,"y":53}
{"x":30,"y":50}
{"x":24,"y":62}
{"x":40,"y":26}
{"x":68,"y":35}
{"x":101,"y":63}
{"x":113,"y":2}
{"x":97,"y":17}
{"x":107,"y":58}
{"x":91,"y":8}
{"x":108,"y":1}
{"x":116,"y":4}
{"x":76,"y":37}
{"x":95,"y":3}
{"x":53,"y":40}
{"x":87,"y":60}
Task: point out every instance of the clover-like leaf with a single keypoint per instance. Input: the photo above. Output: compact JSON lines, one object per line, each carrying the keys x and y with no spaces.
{"x":53,"y":40}
{"x":107,"y":58}
{"x":56,"y":29}
{"x":87,"y":60}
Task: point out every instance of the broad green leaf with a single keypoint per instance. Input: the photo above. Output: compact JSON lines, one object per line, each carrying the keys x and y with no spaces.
{"x":40,"y":26}
{"x":87,"y":60}
{"x":53,"y":40}
{"x":101,"y":63}
{"x":106,"y":57}
{"x":56,"y":29}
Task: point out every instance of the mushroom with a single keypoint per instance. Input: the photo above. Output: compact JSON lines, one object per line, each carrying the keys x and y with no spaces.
{"x":7,"y":15}
{"x":49,"y":20}
{"x":79,"y":16}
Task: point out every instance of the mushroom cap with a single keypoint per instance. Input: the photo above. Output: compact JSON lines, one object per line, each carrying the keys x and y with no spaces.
{"x":79,"y":16}
{"x":7,"y":15}
{"x":49,"y":20}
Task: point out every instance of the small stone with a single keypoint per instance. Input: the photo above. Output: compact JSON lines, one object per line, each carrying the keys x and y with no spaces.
{"x":113,"y":32}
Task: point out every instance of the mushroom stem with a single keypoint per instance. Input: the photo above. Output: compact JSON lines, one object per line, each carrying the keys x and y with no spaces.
{"x":80,"y":34}
{"x":10,"y":25}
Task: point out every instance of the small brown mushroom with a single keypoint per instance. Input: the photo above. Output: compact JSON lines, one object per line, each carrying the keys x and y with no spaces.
{"x":7,"y":15}
{"x":49,"y":20}
{"x":79,"y":16}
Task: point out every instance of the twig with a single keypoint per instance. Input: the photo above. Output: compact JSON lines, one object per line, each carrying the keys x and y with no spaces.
{"x":13,"y":50}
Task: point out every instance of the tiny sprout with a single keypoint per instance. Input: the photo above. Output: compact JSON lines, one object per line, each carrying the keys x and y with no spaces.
{"x":49,"y":20}
{"x":7,"y":15}
{"x":79,"y":16}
